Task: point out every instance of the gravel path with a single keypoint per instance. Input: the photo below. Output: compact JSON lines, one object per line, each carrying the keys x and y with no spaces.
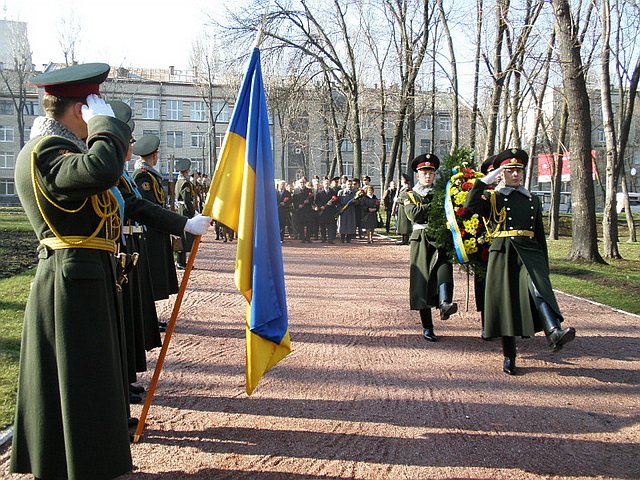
{"x":362,"y":395}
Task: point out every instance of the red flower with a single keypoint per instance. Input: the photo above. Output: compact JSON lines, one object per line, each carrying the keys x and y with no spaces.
{"x":334,"y":198}
{"x":462,"y":232}
{"x":467,"y":186}
{"x":460,"y":211}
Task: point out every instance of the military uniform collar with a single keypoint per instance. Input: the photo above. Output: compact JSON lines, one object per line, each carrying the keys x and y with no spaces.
{"x":50,"y":126}
{"x":142,"y":165}
{"x":506,"y":191}
{"x":422,"y":189}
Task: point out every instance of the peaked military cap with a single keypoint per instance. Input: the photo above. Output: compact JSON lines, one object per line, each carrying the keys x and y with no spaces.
{"x":511,"y":158}
{"x":182,"y":164}
{"x":146,"y":145}
{"x":487,"y":165}
{"x":74,"y":81}
{"x":426,"y":161}
{"x":123,"y":112}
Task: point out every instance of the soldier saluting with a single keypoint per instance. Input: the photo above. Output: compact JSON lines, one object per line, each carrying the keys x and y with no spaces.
{"x":71,"y":419}
{"x":520,"y":300}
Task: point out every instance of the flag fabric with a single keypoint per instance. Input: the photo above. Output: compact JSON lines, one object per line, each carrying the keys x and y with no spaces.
{"x":243,"y":197}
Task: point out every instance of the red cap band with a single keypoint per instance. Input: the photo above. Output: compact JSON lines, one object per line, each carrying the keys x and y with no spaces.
{"x":79,"y":90}
{"x":512,"y":162}
{"x":425,"y":165}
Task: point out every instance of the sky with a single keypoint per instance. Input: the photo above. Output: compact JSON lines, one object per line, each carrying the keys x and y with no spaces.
{"x":130,"y":33}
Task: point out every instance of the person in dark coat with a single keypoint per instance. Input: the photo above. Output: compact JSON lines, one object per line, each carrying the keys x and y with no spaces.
{"x":387,"y":199}
{"x":348,"y":200}
{"x":431,"y":275}
{"x":403,"y":224}
{"x":71,"y":419}
{"x":370,"y":206}
{"x":149,"y":182}
{"x":303,"y":210}
{"x":284,"y":207}
{"x":326,"y":204}
{"x":185,"y":206}
{"x":520,"y":301}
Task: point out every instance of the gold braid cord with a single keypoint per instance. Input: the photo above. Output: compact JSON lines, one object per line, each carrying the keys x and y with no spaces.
{"x":158,"y":192}
{"x":495,"y":218}
{"x":412,"y":197}
{"x":104,"y":204}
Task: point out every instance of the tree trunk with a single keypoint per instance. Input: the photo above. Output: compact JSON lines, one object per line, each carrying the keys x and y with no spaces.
{"x":556,"y":180}
{"x":584,"y":244}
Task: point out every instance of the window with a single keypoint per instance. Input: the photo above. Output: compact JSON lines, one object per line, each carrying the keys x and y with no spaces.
{"x":198,"y":111}
{"x":31,"y":107}
{"x":425,"y":123}
{"x":6,"y":107}
{"x":7,"y":160}
{"x":197,"y":139}
{"x":6,"y":133}
{"x":444,"y":146}
{"x":174,"y":139}
{"x":7,"y":187}
{"x":219,"y":139}
{"x":348,"y":167}
{"x":600,"y":135}
{"x":220,"y":109}
{"x":132,"y":103}
{"x":346,"y":146}
{"x":388,"y":143}
{"x":151,"y":132}
{"x":150,"y":109}
{"x":174,"y":109}
{"x":445,"y":123}
{"x":425,"y":145}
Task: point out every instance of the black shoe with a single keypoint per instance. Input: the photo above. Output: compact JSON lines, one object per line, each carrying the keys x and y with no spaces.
{"x":162,"y":326}
{"x":509,"y":365}
{"x":448,"y":309}
{"x":133,"y":398}
{"x":486,"y":339}
{"x":132,"y":422}
{"x":428,"y":334}
{"x":559,"y":336}
{"x":180,"y":266}
{"x":135,"y":389}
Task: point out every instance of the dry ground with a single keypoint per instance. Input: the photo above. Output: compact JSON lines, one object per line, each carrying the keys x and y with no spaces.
{"x":362,"y":395}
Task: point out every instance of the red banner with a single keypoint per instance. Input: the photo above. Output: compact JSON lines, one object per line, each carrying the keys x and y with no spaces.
{"x":547,"y":163}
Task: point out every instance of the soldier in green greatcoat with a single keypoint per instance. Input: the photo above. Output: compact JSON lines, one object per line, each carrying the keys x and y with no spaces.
{"x":431,"y":275}
{"x":185,"y":198}
{"x":71,"y":419}
{"x":520,"y":300}
{"x":149,"y":182}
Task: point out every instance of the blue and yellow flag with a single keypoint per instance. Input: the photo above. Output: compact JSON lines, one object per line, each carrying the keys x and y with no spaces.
{"x":243,"y":197}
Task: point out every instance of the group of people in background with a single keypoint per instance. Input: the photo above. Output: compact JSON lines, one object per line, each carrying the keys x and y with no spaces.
{"x":328,"y":209}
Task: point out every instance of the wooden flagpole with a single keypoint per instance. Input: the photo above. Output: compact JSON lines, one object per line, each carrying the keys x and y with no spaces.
{"x":167,"y":338}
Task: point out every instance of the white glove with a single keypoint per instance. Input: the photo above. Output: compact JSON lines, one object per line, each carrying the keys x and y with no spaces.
{"x":96,"y":106}
{"x":491,"y":177}
{"x":198,"y":225}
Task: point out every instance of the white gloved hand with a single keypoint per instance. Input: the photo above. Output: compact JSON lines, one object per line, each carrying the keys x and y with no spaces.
{"x":198,"y":225}
{"x":491,"y":177}
{"x":96,"y":106}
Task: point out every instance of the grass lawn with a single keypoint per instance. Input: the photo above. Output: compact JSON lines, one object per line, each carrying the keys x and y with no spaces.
{"x":13,"y":297}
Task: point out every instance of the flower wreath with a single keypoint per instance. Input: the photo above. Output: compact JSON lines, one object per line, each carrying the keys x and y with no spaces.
{"x":470,"y":238}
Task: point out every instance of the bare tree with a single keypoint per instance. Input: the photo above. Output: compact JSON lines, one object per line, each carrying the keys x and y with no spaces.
{"x":69,"y":33}
{"x":584,"y":237}
{"x":16,"y":75}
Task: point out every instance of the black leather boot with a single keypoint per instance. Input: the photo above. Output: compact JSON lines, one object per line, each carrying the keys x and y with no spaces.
{"x":445,"y":295}
{"x":556,"y":335}
{"x":509,"y":352}
{"x":427,"y":325}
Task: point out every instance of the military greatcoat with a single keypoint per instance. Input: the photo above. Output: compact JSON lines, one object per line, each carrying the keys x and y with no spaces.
{"x":403,"y":225}
{"x":429,"y":264}
{"x":185,"y":198}
{"x":71,"y":410}
{"x":518,"y":268}
{"x":163,"y":271}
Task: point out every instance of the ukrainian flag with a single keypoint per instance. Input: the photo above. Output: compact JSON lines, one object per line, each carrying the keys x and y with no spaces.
{"x":243,"y":196}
